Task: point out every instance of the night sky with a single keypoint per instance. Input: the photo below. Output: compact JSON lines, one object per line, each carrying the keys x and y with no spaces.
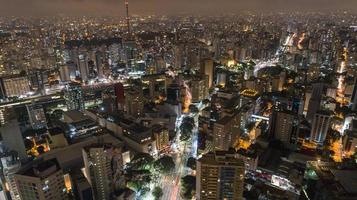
{"x":210,"y":7}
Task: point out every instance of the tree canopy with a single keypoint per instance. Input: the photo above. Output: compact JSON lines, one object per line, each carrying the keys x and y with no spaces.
{"x":165,"y":164}
{"x":188,"y":184}
{"x":157,"y":193}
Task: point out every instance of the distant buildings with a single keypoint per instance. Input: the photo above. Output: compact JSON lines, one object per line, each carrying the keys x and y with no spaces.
{"x":220,"y":175}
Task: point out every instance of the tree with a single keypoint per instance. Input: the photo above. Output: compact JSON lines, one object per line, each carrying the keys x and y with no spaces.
{"x":193,"y":108}
{"x":165,"y":164}
{"x":205,"y":101}
{"x":191,"y":163}
{"x":40,"y":149}
{"x":187,"y":125}
{"x":57,"y":114}
{"x":157,"y":193}
{"x":138,"y":179}
{"x":188,"y":184}
{"x":333,"y":135}
{"x":141,"y":161}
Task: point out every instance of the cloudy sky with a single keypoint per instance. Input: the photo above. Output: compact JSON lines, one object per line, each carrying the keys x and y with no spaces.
{"x":116,"y":7}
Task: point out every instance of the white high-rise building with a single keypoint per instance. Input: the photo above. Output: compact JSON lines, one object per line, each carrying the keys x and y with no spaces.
{"x":102,"y":168}
{"x":41,"y":181}
{"x":320,"y":125}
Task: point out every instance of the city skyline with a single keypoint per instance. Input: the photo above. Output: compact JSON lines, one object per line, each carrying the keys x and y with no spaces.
{"x":178,"y":100}
{"x":173,"y":7}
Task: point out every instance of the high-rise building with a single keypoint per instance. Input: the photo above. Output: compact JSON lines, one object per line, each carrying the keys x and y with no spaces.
{"x":10,"y":164}
{"x":161,"y":135}
{"x":83,"y":67}
{"x":282,"y":126}
{"x":155,"y":83}
{"x":14,"y":86}
{"x":320,"y":125}
{"x":119,"y":93}
{"x":354,"y":96}
{"x":173,"y":93}
{"x":37,"y":116}
{"x":226,"y":131}
{"x":67,"y":72}
{"x":102,"y":166}
{"x":207,"y":68}
{"x":199,"y":88}
{"x":220,"y":175}
{"x":315,"y":100}
{"x":134,"y":102}
{"x":12,"y":137}
{"x":349,"y":141}
{"x":42,"y":180}
{"x":74,"y":97}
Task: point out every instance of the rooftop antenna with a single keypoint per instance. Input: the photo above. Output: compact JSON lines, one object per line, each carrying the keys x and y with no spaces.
{"x":127,"y":15}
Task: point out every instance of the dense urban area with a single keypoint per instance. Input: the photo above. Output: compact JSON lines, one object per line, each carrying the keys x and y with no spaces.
{"x":228,"y":107}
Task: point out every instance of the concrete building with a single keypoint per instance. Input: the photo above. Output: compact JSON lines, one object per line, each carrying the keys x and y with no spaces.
{"x":282,"y":126}
{"x":42,"y":180}
{"x":9,"y":165}
{"x":161,"y":135}
{"x":134,"y":102}
{"x":74,"y":97}
{"x":199,"y":88}
{"x":320,"y":125}
{"x":12,"y":137}
{"x":14,"y":86}
{"x":102,"y":164}
{"x":220,"y":175}
{"x":207,"y":68}
{"x":36,"y":115}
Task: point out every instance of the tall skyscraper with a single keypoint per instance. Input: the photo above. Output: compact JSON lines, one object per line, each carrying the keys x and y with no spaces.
{"x":354,"y":96}
{"x":74,"y":97}
{"x":220,"y":175}
{"x":320,"y":125}
{"x":42,"y":180}
{"x":101,"y":168}
{"x":127,"y":15}
{"x":207,"y":68}
{"x":282,"y":126}
{"x":315,"y":100}
{"x":83,"y":67}
{"x":119,"y":93}
{"x":199,"y":88}
{"x":134,"y":102}
{"x":226,"y":131}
